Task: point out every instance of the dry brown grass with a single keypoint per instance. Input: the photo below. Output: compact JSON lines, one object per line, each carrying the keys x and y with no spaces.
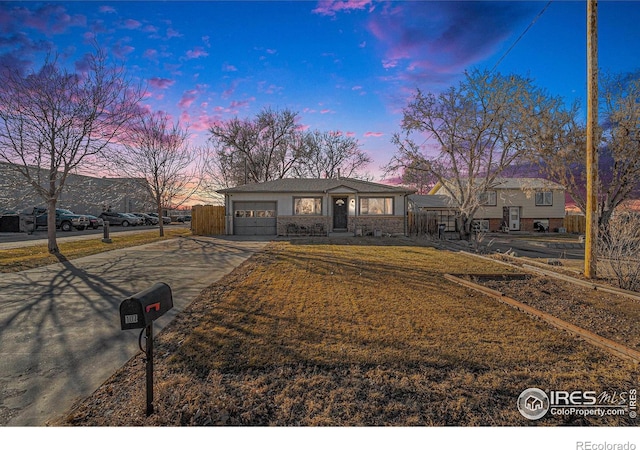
{"x":29,"y":257}
{"x":351,"y":335}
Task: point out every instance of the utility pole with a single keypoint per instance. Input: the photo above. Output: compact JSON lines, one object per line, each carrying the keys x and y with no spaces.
{"x":591,"y":236}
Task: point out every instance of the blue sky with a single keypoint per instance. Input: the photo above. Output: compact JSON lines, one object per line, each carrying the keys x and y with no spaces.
{"x":347,"y":66}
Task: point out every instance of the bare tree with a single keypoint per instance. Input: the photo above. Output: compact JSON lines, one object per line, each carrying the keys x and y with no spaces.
{"x":329,"y":154}
{"x":257,"y":150}
{"x":619,"y":249}
{"x":562,"y":146}
{"x":469,"y":134}
{"x":52,"y":122}
{"x":158,"y":155}
{"x":420,"y":180}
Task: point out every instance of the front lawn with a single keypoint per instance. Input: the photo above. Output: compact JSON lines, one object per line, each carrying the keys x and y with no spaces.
{"x":32,"y":256}
{"x":313,"y":334}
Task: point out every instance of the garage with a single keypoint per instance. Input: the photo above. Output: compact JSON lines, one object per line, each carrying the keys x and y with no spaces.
{"x":254,"y":218}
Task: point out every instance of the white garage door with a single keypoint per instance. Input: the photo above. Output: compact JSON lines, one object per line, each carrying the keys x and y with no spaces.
{"x":254,"y":218}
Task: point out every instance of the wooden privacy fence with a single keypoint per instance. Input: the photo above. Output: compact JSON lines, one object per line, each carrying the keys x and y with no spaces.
{"x":207,"y":220}
{"x":426,"y":222}
{"x":575,"y":224}
{"x":421,"y":223}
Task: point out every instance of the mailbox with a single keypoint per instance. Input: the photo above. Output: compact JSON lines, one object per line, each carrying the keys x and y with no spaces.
{"x":141,"y":309}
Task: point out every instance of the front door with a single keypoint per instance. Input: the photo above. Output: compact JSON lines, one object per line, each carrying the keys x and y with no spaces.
{"x":514,"y":218}
{"x":340,"y":213}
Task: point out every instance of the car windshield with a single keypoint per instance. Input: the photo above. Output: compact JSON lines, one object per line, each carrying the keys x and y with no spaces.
{"x":64,"y":211}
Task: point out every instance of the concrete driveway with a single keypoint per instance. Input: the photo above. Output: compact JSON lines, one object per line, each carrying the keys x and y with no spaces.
{"x":60,"y":336}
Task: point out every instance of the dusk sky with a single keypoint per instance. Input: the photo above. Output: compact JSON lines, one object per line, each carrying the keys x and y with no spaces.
{"x":347,"y":66}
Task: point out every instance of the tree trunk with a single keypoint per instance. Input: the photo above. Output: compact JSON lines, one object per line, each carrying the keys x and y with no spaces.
{"x":160,"y":221}
{"x":52,"y":243}
{"x":464,"y":227}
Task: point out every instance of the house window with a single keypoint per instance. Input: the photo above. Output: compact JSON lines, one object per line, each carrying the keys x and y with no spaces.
{"x":247,"y":213}
{"x":371,"y":206}
{"x":307,"y":206}
{"x":488,"y":198}
{"x":544,"y":198}
{"x":480,"y":226}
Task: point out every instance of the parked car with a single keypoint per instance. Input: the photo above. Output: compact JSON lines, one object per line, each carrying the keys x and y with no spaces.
{"x":135,"y":220}
{"x":116,"y":218}
{"x":65,"y":219}
{"x":94,"y":222}
{"x":166,"y":220}
{"x":183,"y":219}
{"x":148,"y":220}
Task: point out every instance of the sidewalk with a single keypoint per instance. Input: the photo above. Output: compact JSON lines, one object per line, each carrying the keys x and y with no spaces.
{"x":60,"y":334}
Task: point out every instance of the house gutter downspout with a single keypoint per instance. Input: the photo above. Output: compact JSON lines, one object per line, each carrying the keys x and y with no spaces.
{"x":406,"y":214}
{"x":228,"y":214}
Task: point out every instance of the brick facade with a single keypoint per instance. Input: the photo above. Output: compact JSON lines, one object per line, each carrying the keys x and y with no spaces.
{"x":304,"y":224}
{"x":554,"y":224}
{"x":394,"y":225}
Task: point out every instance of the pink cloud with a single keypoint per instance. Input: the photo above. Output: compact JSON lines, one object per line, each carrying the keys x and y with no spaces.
{"x":121,"y":50}
{"x":185,"y":118}
{"x":390,"y":63}
{"x":49,"y":19}
{"x":197,"y":52}
{"x":373,"y":134}
{"x":230,"y":90}
{"x":229,"y":68}
{"x":264,"y":88}
{"x":150,"y":54}
{"x":326,"y":111}
{"x":107,"y":9}
{"x":131,"y":24}
{"x":171,"y":33}
{"x":435,"y":38}
{"x":204,"y":122}
{"x":188,"y":97}
{"x":331,"y":7}
{"x":241,"y":103}
{"x":161,"y":83}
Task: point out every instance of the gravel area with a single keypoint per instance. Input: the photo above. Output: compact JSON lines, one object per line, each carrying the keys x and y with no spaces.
{"x":609,"y":315}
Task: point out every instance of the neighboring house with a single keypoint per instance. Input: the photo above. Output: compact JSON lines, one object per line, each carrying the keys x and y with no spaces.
{"x":519,"y":204}
{"x":315,"y":206}
{"x":81,"y":194}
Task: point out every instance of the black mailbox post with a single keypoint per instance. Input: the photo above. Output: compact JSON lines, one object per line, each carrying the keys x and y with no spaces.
{"x":140,"y":311}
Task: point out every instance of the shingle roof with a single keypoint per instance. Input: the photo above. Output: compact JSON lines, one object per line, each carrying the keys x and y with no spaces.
{"x":317,"y":185}
{"x":431,"y":201}
{"x":526,"y":183}
{"x":516,"y":183}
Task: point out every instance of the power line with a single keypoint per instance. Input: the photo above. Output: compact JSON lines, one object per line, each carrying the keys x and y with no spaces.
{"x":535,"y":19}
